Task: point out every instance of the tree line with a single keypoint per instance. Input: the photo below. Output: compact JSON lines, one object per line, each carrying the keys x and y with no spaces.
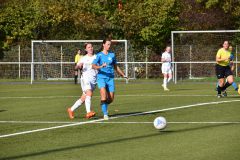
{"x":144,"y":23}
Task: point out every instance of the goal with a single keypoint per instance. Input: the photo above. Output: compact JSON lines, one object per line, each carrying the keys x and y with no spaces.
{"x":194,"y":52}
{"x":54,"y":59}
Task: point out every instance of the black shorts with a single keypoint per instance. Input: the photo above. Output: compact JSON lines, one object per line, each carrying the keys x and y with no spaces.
{"x":223,"y":71}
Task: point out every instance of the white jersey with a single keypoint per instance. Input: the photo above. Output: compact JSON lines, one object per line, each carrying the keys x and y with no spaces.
{"x":88,"y":73}
{"x":166,"y":65}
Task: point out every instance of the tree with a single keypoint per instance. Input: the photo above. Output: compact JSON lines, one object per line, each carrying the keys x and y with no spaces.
{"x":203,"y":15}
{"x":147,"y":22}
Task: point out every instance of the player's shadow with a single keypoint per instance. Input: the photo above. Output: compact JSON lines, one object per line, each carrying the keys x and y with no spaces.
{"x":3,"y":110}
{"x":183,"y":89}
{"x":133,"y":114}
{"x":120,"y":140}
{"x":126,"y":114}
{"x":232,"y":97}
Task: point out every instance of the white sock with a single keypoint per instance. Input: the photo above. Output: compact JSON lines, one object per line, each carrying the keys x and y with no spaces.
{"x":88,"y":104}
{"x":76,"y":104}
{"x":169,"y":79}
{"x":165,"y":82}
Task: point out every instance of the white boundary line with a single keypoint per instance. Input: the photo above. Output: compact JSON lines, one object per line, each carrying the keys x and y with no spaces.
{"x":136,"y":95}
{"x":121,"y":116}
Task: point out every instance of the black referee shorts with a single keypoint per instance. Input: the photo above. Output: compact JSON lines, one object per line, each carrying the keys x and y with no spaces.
{"x":223,"y":71}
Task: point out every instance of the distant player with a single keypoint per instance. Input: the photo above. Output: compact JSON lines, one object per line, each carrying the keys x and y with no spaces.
{"x":166,"y":67}
{"x":88,"y":82}
{"x":223,"y":69}
{"x":230,"y":48}
{"x":78,"y":56}
{"x":106,"y":63}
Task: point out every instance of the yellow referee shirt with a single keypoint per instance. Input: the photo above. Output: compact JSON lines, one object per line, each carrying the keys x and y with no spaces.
{"x":77,"y":58}
{"x":222,"y":53}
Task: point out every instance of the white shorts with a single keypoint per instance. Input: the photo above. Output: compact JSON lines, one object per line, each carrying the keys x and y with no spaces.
{"x":166,"y":70}
{"x":87,"y":85}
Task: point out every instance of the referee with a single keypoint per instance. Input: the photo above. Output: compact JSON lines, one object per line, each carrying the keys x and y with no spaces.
{"x":223,"y":69}
{"x":78,"y":56}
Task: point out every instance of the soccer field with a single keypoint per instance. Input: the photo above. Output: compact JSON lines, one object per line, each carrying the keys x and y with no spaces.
{"x":34,"y":123}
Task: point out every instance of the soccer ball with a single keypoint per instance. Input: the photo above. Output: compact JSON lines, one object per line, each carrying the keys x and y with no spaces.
{"x":160,"y":123}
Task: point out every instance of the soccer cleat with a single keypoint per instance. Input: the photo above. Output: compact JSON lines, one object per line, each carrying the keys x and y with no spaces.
{"x":219,"y":96}
{"x":166,"y":89}
{"x":163,"y":86}
{"x":224,"y":93}
{"x":70,"y":113}
{"x":90,"y":114}
{"x":105,"y":117}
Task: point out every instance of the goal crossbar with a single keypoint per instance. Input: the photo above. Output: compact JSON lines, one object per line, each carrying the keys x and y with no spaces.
{"x":72,"y":41}
{"x":193,"y":31}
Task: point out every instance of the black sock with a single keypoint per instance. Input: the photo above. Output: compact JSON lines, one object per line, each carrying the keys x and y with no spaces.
{"x":75,"y":79}
{"x":219,"y":89}
{"x":226,"y":86}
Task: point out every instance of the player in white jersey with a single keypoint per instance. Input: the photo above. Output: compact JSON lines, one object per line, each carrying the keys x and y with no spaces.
{"x":88,"y":82}
{"x":166,"y":67}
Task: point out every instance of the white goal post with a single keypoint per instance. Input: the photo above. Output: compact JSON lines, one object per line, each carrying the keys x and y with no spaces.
{"x":57,"y":48}
{"x":217,"y":33}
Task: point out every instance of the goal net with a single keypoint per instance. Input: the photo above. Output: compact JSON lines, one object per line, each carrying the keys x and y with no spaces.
{"x":54,"y":59}
{"x":194,"y":52}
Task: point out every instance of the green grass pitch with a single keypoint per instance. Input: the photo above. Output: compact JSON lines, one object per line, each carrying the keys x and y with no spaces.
{"x":26,"y":107}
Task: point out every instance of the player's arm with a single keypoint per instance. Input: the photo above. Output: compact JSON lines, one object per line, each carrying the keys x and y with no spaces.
{"x":164,"y":59}
{"x":232,"y":65}
{"x":119,"y":71}
{"x":79,"y":65}
{"x":95,"y":66}
{"x":95,"y":63}
{"x":220,"y":59}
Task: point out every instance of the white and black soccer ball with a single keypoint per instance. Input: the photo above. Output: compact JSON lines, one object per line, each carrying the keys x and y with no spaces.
{"x":160,"y":123}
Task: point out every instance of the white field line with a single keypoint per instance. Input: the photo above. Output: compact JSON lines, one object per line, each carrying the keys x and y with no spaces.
{"x":121,"y":116}
{"x":132,"y":95}
{"x":107,"y":122}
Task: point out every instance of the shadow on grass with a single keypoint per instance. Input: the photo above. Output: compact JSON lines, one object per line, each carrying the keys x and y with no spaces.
{"x":233,"y":96}
{"x":125,"y":114}
{"x":127,"y":139}
{"x":3,"y":110}
{"x":184,"y":89}
{"x":134,"y":114}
